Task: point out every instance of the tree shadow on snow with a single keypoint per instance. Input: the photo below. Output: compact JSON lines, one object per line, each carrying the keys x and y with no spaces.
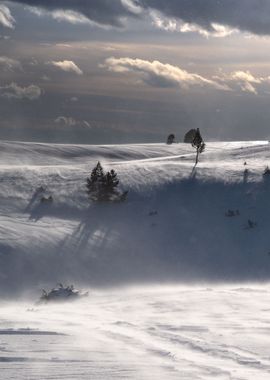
{"x":35,"y":197}
{"x":96,"y":224}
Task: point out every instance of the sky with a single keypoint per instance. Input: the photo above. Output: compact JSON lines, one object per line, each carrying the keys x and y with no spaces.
{"x":134,"y":71}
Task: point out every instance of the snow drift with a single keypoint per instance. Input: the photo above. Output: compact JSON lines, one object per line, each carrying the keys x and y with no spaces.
{"x":179,"y":224}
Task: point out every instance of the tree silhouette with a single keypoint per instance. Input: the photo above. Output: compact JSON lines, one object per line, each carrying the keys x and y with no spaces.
{"x":198,"y":144}
{"x":189,"y":136}
{"x":171,"y":139}
{"x":103,"y":187}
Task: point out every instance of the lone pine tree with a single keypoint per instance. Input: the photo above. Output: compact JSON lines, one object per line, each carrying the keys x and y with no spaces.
{"x":198,"y":144}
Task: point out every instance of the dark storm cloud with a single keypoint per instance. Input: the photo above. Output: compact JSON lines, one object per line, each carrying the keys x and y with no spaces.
{"x":248,"y":15}
{"x":105,"y":12}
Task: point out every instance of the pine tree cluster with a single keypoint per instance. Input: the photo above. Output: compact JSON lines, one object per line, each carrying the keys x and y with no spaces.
{"x":103,"y":186}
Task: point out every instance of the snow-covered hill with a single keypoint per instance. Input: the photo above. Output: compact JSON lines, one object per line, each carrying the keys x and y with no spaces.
{"x":173,"y":226}
{"x":178,"y":228}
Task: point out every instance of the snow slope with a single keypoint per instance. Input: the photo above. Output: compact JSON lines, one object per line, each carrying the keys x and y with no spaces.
{"x":172,"y":227}
{"x":190,"y":297}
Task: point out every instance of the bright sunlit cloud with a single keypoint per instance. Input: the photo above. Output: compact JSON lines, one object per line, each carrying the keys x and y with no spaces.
{"x":6,"y":18}
{"x":67,"y":66}
{"x":159,"y":74}
{"x":176,"y":25}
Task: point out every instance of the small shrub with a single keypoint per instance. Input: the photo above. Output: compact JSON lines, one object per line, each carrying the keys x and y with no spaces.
{"x":266,"y":171}
{"x":171,"y":139}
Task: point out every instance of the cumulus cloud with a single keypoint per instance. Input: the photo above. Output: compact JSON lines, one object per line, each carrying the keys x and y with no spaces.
{"x":71,"y":122}
{"x":9,"y":64}
{"x":161,"y":74}
{"x":14,"y":91}
{"x":6,"y":18}
{"x":243,"y":80}
{"x":68,"y":66}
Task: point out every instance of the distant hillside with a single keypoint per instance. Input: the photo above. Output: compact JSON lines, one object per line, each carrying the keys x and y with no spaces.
{"x":178,"y":224}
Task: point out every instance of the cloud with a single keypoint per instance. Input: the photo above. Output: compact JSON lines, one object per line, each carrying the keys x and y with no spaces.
{"x":9,"y":64}
{"x":207,"y":17}
{"x":158,"y":74}
{"x":68,"y":66}
{"x":246,"y":81}
{"x":132,"y":6}
{"x":100,"y":12}
{"x":211,"y":15}
{"x":71,"y":122}
{"x":6,"y":18}
{"x":14,"y":91}
{"x":175,"y":25}
{"x":243,"y":80}
{"x":70,"y":16}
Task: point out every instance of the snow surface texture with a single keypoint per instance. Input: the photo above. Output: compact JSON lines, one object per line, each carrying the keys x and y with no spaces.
{"x":161,"y":333}
{"x":178,"y":226}
{"x":173,"y":226}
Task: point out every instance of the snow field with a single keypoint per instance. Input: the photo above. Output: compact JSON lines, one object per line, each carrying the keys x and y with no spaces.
{"x":178,"y":274}
{"x":162,"y":332}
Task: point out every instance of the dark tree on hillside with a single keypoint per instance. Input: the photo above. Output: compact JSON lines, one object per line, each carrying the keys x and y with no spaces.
{"x":95,"y":180}
{"x":103,"y":187}
{"x":110,"y":181}
{"x":198,"y":144}
{"x":266,"y":172}
{"x":171,"y":139}
{"x":189,"y":136}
